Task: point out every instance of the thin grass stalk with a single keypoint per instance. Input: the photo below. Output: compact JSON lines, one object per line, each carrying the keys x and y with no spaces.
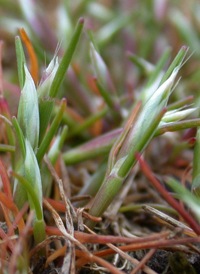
{"x":94,"y":148}
{"x":93,"y":185}
{"x":196,"y":165}
{"x":87,"y":123}
{"x":7,"y":148}
{"x":5,"y":180}
{"x":159,"y":243}
{"x":51,"y":132}
{"x":133,"y":207}
{"x":176,"y":62}
{"x":158,"y":68}
{"x":45,"y":111}
{"x":187,"y":217}
{"x":185,"y":196}
{"x":20,"y":136}
{"x":180,"y":103}
{"x":20,"y":61}
{"x":176,"y":126}
{"x":146,"y":67}
{"x":108,"y":31}
{"x":64,"y":64}
{"x":105,"y":94}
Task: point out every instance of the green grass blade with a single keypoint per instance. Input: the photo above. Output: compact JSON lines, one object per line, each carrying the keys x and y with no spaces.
{"x":196,"y":165}
{"x":140,"y":145}
{"x":175,"y":126}
{"x":20,"y":61}
{"x":20,"y":136}
{"x":64,"y":64}
{"x":185,"y":195}
{"x":176,"y":62}
{"x":51,"y":132}
{"x":38,"y":223}
{"x":33,"y":195}
{"x":94,"y":148}
{"x":45,"y":111}
{"x":7,"y":148}
{"x":158,"y":68}
{"x":87,"y":122}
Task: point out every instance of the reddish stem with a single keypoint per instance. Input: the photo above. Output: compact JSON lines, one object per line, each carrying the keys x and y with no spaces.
{"x":5,"y":180}
{"x":166,"y":195}
{"x":145,"y":245}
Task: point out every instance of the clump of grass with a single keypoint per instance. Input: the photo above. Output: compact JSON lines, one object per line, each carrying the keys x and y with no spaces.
{"x":74,"y":141}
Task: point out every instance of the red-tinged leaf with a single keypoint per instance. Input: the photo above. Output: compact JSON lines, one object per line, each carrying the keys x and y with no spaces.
{"x":5,"y":180}
{"x":33,"y":59}
{"x":192,"y":141}
{"x":4,"y":236}
{"x":144,"y":245}
{"x":100,"y":261}
{"x":7,"y":218}
{"x":166,"y":195}
{"x":4,"y":108}
{"x":101,"y":239}
{"x":12,"y":207}
{"x":1,"y":77}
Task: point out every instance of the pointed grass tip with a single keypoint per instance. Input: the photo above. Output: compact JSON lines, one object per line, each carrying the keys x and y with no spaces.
{"x":63,"y":101}
{"x":192,"y":141}
{"x":184,"y":47}
{"x":81,"y":20}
